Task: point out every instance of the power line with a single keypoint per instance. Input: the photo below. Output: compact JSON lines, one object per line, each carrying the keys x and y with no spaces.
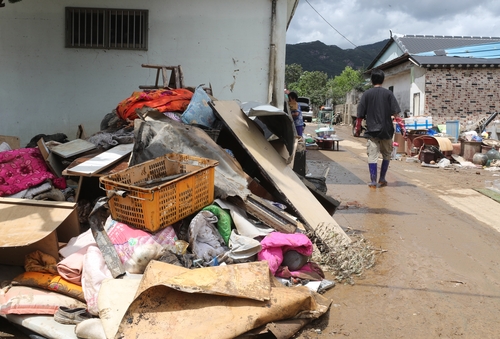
{"x":336,"y":30}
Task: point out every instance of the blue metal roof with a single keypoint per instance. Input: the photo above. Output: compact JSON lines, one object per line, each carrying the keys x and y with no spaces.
{"x":484,"y":51}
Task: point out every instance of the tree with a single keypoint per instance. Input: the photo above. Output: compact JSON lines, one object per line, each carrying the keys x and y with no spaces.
{"x":313,"y":86}
{"x":292,"y":74}
{"x":338,"y":87}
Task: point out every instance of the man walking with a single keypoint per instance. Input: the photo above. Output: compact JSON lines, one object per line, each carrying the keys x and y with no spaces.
{"x":378,"y":105}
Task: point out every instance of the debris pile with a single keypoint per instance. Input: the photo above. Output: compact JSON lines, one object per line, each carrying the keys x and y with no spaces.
{"x":181,"y":208}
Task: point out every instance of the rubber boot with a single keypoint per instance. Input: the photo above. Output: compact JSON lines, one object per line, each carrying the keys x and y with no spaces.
{"x":373,"y":175}
{"x":383,"y":170}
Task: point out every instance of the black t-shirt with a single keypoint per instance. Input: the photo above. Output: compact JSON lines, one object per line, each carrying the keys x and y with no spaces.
{"x":377,"y":105}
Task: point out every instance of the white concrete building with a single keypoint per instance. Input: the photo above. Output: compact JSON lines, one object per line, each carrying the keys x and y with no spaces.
{"x":50,"y":84}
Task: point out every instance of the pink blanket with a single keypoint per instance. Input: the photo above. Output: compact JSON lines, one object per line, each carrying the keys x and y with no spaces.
{"x":70,"y":268}
{"x":21,"y":169}
{"x":276,"y":244}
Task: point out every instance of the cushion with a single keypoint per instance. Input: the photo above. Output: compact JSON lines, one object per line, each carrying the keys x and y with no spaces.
{"x":32,"y":300}
{"x":198,"y":111}
{"x":51,"y":282}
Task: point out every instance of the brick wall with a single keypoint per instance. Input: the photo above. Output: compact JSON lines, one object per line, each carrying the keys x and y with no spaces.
{"x":461,"y":94}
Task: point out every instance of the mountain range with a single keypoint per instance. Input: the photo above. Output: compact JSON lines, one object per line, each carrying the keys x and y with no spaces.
{"x":332,"y":60}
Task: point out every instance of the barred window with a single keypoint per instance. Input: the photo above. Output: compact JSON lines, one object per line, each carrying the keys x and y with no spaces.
{"x":106,"y":28}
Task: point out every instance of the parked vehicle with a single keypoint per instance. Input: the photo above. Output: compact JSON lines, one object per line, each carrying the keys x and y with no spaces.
{"x":306,"y":108}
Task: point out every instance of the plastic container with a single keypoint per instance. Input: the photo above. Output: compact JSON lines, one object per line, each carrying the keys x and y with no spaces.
{"x":469,"y":148}
{"x":480,"y":159}
{"x":453,"y":129}
{"x":493,"y":154}
{"x":141,"y":197}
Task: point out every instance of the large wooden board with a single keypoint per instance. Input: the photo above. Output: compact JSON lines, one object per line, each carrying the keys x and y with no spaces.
{"x":275,"y":168}
{"x":28,"y":225}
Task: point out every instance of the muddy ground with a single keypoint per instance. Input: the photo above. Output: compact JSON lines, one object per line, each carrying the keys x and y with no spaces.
{"x":437,"y":272}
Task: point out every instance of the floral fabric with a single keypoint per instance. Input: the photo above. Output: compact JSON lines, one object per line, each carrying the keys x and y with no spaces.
{"x":164,"y":100}
{"x":21,"y":169}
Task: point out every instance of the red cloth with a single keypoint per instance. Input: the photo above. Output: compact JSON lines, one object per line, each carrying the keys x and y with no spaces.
{"x":164,"y":100}
{"x":60,"y":183}
{"x":21,"y":169}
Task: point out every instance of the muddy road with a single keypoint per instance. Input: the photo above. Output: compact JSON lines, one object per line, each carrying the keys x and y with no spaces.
{"x":437,"y":274}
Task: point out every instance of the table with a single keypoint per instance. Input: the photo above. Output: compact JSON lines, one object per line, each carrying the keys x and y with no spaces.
{"x":329,"y":144}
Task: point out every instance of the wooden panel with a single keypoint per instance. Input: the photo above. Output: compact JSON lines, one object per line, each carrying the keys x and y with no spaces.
{"x":28,"y":225}
{"x":275,"y":168}
{"x":13,"y":142}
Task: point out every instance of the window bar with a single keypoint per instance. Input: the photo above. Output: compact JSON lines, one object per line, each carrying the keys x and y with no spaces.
{"x":85,"y":28}
{"x":116,"y":27}
{"x":103,"y":29}
{"x":97,"y":28}
{"x":91,"y":21}
{"x":134,"y":30}
{"x":128,"y":29}
{"x":72,"y":28}
{"x":121,"y":40}
{"x":109,"y":30}
{"x":141,"y":38}
{"x":79,"y":27}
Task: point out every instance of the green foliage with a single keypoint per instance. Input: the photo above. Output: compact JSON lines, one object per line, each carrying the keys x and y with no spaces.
{"x":292,"y":73}
{"x":311,"y":85}
{"x":338,"y":87}
{"x":323,"y":72}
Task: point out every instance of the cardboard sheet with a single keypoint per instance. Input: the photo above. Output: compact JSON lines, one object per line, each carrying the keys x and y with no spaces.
{"x":274,"y":167}
{"x":115,"y":295}
{"x":197,"y":309}
{"x":29,"y":225}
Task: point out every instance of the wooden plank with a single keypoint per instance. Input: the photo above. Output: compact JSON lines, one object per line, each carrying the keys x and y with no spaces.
{"x":13,"y":142}
{"x":270,"y":215}
{"x":276,"y":170}
{"x":157,"y":66}
{"x":72,"y":148}
{"x":101,"y":161}
{"x":181,"y":77}
{"x":164,"y":75}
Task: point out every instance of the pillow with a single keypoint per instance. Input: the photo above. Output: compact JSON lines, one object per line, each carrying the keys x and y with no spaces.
{"x":31,"y":300}
{"x":51,"y":282}
{"x":198,"y":111}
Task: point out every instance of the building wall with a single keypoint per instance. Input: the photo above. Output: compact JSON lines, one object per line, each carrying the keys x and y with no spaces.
{"x":461,"y":94}
{"x":391,"y":53}
{"x":417,"y":91}
{"x":47,"y":88}
{"x":399,"y":78}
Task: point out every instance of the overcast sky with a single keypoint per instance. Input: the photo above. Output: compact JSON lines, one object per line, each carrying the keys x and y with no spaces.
{"x":364,"y":22}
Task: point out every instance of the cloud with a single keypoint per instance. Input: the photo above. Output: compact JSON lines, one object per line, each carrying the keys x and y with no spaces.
{"x":352,"y":23}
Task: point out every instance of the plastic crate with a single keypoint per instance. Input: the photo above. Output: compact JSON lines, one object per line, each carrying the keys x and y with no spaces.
{"x":139,"y":198}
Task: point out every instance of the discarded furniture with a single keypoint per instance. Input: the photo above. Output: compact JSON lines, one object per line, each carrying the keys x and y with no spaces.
{"x":176,"y":79}
{"x":328,"y":144}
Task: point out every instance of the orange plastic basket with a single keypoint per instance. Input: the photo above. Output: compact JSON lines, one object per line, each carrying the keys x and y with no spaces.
{"x":141,"y":197}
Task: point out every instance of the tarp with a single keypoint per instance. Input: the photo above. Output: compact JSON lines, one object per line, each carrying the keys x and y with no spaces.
{"x":156,"y":138}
